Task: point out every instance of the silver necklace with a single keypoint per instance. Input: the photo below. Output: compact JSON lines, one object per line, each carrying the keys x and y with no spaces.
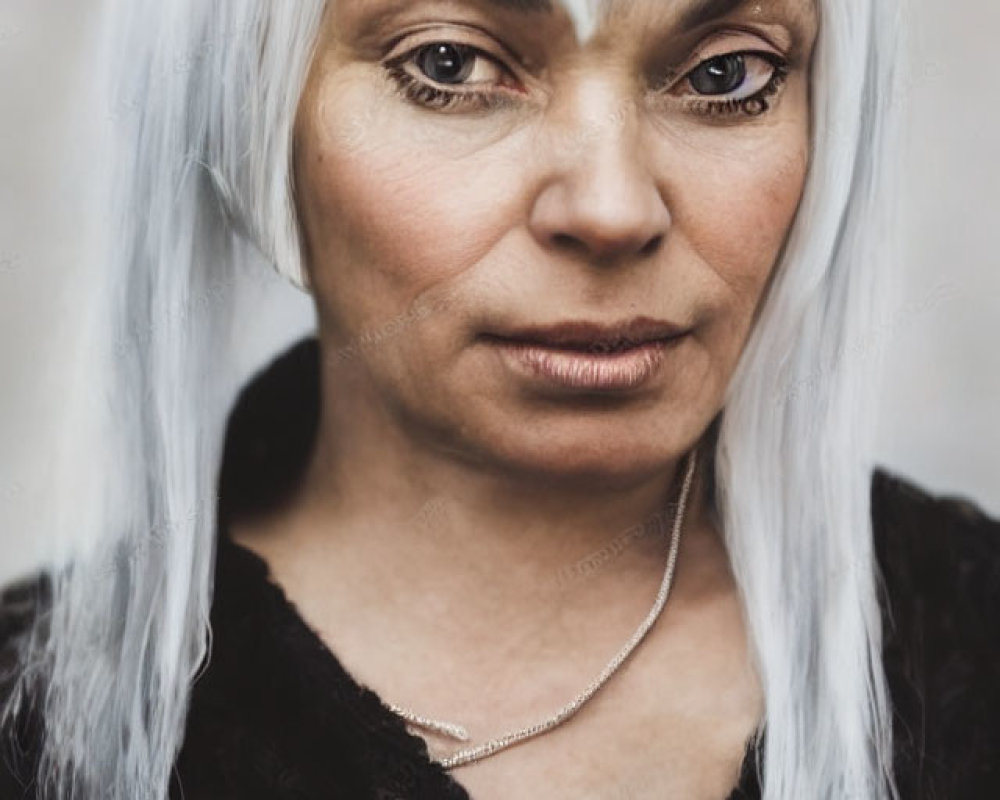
{"x":493,"y":746}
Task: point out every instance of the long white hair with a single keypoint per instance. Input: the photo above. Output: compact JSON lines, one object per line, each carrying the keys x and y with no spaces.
{"x":204,"y":198}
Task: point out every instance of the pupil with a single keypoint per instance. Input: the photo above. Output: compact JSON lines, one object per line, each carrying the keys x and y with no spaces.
{"x":446,"y":63}
{"x":719,"y":75}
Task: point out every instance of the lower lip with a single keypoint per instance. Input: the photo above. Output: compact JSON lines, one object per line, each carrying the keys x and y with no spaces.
{"x":594,"y":372}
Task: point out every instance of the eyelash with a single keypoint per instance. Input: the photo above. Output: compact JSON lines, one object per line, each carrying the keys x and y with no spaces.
{"x":427,"y":95}
{"x":424,"y":94}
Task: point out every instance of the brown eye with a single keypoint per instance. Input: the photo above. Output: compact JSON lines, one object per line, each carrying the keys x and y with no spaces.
{"x":719,"y":75}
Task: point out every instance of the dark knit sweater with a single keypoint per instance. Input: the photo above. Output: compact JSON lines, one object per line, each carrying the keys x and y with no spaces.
{"x":275,"y":716}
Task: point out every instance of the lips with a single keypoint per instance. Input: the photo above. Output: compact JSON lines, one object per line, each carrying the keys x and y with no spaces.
{"x":593,"y":338}
{"x":587,"y":357}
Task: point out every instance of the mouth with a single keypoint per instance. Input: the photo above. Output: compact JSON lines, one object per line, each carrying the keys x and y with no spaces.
{"x":593,"y":338}
{"x":588,"y":357}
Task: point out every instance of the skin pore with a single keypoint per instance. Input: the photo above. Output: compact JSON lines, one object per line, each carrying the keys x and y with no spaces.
{"x":466,"y":169}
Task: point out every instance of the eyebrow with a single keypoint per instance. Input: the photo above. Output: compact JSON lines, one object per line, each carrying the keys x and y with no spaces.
{"x":705,"y":11}
{"x":522,"y":5}
{"x":701,"y":12}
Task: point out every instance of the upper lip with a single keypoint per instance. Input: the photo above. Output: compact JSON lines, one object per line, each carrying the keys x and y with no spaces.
{"x":592,"y":336}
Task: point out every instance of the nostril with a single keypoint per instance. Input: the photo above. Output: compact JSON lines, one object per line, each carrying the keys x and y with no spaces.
{"x":563,"y":240}
{"x":652,"y":245}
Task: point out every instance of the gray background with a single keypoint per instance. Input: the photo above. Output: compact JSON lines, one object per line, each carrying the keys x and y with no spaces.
{"x":938,"y":423}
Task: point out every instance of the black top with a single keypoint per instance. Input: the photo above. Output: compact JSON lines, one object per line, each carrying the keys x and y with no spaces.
{"x":275,"y":715}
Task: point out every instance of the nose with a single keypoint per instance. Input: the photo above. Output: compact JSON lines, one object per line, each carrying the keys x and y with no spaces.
{"x":599,"y":199}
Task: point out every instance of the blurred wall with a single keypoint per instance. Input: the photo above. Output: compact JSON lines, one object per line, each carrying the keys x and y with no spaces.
{"x":938,"y":423}
{"x":939,"y":420}
{"x":43,"y":244}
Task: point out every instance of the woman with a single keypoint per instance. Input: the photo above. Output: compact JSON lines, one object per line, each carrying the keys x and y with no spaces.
{"x":593,"y":285}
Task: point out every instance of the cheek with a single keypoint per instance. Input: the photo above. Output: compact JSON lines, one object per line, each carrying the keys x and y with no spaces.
{"x":736,"y":209}
{"x":733,"y":198}
{"x":388,"y":217}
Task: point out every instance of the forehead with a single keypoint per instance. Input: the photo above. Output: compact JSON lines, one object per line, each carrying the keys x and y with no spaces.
{"x":361,"y":25}
{"x":590,"y":16}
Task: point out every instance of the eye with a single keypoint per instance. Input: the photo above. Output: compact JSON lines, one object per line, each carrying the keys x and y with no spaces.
{"x":732,"y":85}
{"x":451,"y":76}
{"x":450,"y":63}
{"x":735,"y":75}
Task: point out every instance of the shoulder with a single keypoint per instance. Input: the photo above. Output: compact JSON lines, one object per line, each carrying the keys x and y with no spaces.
{"x":939,"y":558}
{"x":908,"y":516}
{"x":21,"y":603}
{"x":270,"y":432}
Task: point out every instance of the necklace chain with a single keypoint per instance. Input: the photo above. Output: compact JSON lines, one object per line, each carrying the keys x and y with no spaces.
{"x":479,"y":752}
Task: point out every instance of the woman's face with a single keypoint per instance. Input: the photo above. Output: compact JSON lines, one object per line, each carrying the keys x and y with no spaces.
{"x":538,"y":238}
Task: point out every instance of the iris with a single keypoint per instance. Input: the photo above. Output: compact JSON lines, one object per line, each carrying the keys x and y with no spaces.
{"x":719,"y":75}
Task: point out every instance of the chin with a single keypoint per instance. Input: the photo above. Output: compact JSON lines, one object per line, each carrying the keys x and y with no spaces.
{"x":603,"y":457}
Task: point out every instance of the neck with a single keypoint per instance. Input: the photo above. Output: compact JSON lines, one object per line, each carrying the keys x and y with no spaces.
{"x":389,"y":541}
{"x":456,"y":526}
{"x":442,"y":526}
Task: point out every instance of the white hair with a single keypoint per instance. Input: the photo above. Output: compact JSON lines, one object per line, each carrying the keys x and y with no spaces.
{"x":585,"y":15}
{"x":204,"y":196}
{"x":793,"y":465}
